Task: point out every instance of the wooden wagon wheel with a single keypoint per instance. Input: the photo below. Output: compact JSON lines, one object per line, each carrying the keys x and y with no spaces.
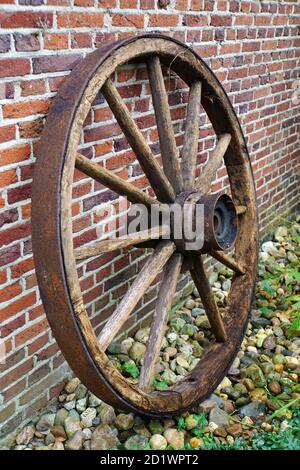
{"x":52,"y":228}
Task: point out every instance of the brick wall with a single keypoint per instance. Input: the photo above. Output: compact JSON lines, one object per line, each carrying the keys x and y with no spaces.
{"x":253,"y":48}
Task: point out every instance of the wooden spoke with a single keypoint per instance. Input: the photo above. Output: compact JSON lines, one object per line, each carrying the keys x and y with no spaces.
{"x":214,"y":162}
{"x":190,"y":144}
{"x":229,"y":262}
{"x":200,"y":279}
{"x":154,"y":173}
{"x":159,"y":323}
{"x":149,"y":272}
{"x":113,"y":182}
{"x":165,"y":128}
{"x":240,"y":210}
{"x":105,"y":246}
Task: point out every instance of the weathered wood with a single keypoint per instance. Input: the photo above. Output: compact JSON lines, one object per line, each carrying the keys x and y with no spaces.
{"x":191,"y":137}
{"x":154,"y":173}
{"x":125,"y":241}
{"x":168,"y":148}
{"x":141,"y":283}
{"x":207,"y":297}
{"x":240,"y":210}
{"x":229,"y":262}
{"x":160,"y":319}
{"x":113,"y":182}
{"x":215,"y":159}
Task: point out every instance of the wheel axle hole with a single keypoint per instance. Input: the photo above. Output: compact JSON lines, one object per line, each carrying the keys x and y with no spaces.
{"x":225,"y":222}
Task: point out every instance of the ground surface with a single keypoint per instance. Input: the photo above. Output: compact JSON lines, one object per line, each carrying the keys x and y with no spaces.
{"x":256,"y":406}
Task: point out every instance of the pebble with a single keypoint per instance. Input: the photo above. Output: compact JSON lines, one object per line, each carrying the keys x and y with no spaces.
{"x":190,"y":304}
{"x":219,"y":417}
{"x":72,"y":385}
{"x":60,"y":417}
{"x":25,"y":436}
{"x":274,"y":387}
{"x":124,"y":421}
{"x":81,"y":405}
{"x":174,"y":438}
{"x":255,"y":373}
{"x":87,"y":417}
{"x":45,"y":423}
{"x":235,"y":430}
{"x":206,"y":406}
{"x":71,"y":426}
{"x":59,"y":432}
{"x":158,"y":442}
{"x":70,"y":405}
{"x":137,"y":442}
{"x":195,"y":442}
{"x":104,"y":438}
{"x":253,"y":410}
{"x":107,"y":414}
{"x":191,"y":422}
{"x":181,"y":361}
{"x":94,"y":401}
{"x":76,"y":441}
{"x":156,"y":427}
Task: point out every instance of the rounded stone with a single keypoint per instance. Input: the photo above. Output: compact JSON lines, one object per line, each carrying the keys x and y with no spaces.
{"x":158,"y":442}
{"x":174,"y":438}
{"x":124,"y":421}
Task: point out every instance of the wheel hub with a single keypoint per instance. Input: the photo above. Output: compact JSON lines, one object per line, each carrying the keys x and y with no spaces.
{"x":209,"y":222}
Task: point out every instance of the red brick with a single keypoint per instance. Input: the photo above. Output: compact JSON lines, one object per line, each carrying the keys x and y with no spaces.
{"x":166,"y":20}
{"x":31,"y":129}
{"x":221,"y":20}
{"x":38,"y":344}
{"x":14,"y":154}
{"x":12,"y":326}
{"x":7,"y":133}
{"x":7,"y":412}
{"x":55,"y":82}
{"x":195,"y":20}
{"x":147,"y":4}
{"x":80,"y":20}
{"x":6,"y":179}
{"x":26,"y":335}
{"x":10,"y":235}
{"x":56,"y":63}
{"x":14,"y":67}
{"x":33,"y":87}
{"x":244,"y":20}
{"x":27,"y":42}
{"x":8,"y":217}
{"x":251,"y":46}
{"x":29,"y":20}
{"x":22,"y":304}
{"x":127,"y":20}
{"x":4,"y":42}
{"x":206,"y":51}
{"x":9,"y":292}
{"x":19,"y":194}
{"x":14,"y":390}
{"x":10,"y":254}
{"x":56,"y":41}
{"x":21,"y":268}
{"x":81,"y":40}
{"x":3,"y":276}
{"x":23,"y":109}
{"x":103,"y":132}
{"x":84,"y":3}
{"x":16,"y":373}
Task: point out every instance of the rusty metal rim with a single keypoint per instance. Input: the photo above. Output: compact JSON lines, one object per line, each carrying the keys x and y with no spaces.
{"x":105,"y":384}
